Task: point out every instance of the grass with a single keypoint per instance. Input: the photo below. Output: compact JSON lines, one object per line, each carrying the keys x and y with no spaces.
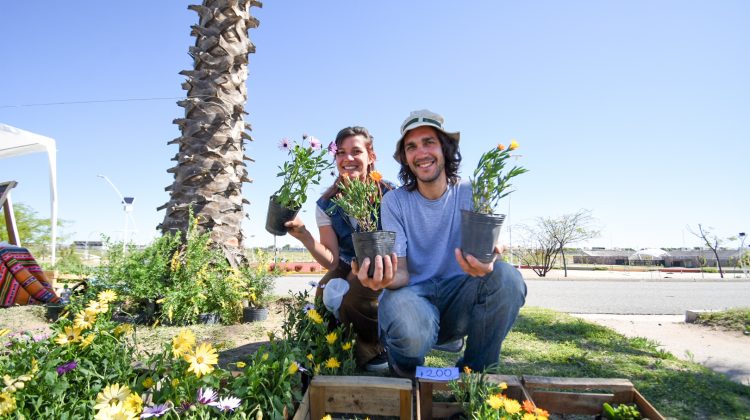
{"x":549,"y":343}
{"x":737,"y":319}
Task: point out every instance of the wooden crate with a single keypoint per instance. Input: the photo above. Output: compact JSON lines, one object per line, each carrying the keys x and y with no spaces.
{"x":428,"y":409}
{"x":585,"y":395}
{"x":356,"y":395}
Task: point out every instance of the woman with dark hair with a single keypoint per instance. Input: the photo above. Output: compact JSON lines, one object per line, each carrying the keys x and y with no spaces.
{"x":355,"y":158}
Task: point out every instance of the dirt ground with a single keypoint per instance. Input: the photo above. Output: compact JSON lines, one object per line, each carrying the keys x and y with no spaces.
{"x":234,"y":342}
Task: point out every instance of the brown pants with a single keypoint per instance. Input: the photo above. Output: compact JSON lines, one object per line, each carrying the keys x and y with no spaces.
{"x":359,"y":307}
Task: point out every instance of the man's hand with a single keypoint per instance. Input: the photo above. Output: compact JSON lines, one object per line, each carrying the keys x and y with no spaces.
{"x":385,"y":271}
{"x":473,"y":266}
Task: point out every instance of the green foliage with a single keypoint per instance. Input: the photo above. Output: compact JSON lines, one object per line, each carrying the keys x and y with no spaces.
{"x":259,"y":280}
{"x":360,"y":199}
{"x":621,"y":412}
{"x":736,"y":319}
{"x":482,"y":399}
{"x":309,"y":327}
{"x":96,"y":356}
{"x":489,"y":183}
{"x":187,"y":278}
{"x":305,"y":168}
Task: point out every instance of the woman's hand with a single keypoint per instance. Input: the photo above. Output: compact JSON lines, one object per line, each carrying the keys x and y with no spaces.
{"x":297,"y":228}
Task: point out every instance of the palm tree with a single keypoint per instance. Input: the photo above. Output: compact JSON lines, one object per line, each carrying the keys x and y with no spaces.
{"x":210,"y":166}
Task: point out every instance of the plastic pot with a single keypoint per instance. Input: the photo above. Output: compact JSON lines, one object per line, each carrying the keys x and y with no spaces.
{"x":209,"y":318}
{"x":278,"y":215}
{"x":479,"y":234}
{"x":53,"y":311}
{"x":371,"y":244}
{"x":254,"y":314}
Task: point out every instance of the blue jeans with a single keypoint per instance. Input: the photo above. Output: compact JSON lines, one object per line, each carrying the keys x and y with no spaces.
{"x":416,"y":317}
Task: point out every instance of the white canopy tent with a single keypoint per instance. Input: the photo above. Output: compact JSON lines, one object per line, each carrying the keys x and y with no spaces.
{"x":16,"y":142}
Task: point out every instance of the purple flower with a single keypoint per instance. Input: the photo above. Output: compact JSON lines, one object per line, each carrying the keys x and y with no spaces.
{"x":308,"y":307}
{"x":40,"y":337}
{"x":300,"y":367}
{"x":313,"y":283}
{"x":156,"y":410}
{"x":332,"y":148}
{"x":304,"y":136}
{"x":315,"y":143}
{"x":227,"y":403}
{"x":66,"y":367}
{"x":284,"y":144}
{"x":184,"y":407}
{"x":207,"y":396}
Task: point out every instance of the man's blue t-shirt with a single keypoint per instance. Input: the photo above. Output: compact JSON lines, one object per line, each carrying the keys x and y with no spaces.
{"x":427,"y":231}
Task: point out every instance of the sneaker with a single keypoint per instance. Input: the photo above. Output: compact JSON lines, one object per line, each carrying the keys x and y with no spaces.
{"x":454,"y":346}
{"x":378,"y":363}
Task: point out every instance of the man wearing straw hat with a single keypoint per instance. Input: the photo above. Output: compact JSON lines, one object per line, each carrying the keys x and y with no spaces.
{"x":433,"y":294}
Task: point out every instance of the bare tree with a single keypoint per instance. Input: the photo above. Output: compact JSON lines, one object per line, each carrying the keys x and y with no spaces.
{"x":570,"y":228}
{"x":711,"y":240}
{"x":539,"y":248}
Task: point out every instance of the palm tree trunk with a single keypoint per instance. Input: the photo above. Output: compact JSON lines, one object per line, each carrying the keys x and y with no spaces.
{"x":210,"y":166}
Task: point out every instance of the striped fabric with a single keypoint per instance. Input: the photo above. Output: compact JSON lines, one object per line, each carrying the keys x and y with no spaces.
{"x":22,"y":281}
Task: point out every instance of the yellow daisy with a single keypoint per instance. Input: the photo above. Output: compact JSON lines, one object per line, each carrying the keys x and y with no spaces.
{"x":112,"y":395}
{"x":134,"y":403}
{"x":106,"y":296}
{"x":512,"y":406}
{"x":528,"y":416}
{"x":202,"y":359}
{"x":7,"y":403}
{"x":513,"y":145}
{"x":293,"y":368}
{"x":123,"y":329}
{"x":309,"y":357}
{"x":241,"y":365}
{"x":332,"y":363}
{"x":97,"y":307}
{"x":182,"y":342}
{"x":495,"y":402}
{"x":175,"y":382}
{"x":87,"y":341}
{"x":148,"y":382}
{"x":346,"y":346}
{"x":326,"y":417}
{"x":315,"y":316}
{"x":85,"y":319}
{"x":331,"y":338}
{"x":69,"y":335}
{"x":503,"y":386}
{"x":115,"y":412}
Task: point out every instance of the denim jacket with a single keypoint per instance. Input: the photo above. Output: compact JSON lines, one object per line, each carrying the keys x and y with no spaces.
{"x":342,"y":226}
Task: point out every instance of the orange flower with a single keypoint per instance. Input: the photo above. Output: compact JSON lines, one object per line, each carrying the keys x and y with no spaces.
{"x":376,"y":176}
{"x":528,"y":406}
{"x":500,"y":147}
{"x":541,"y":413}
{"x":467,"y":370}
{"x":513,"y":145}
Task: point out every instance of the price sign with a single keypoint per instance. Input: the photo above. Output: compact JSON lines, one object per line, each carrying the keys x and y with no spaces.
{"x":437,"y":373}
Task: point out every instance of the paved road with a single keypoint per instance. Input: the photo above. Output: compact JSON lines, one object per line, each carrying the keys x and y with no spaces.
{"x":637,"y":297}
{"x":609,"y":296}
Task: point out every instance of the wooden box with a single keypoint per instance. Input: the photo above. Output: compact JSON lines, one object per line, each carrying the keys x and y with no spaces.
{"x":361,"y":396}
{"x":428,"y":408}
{"x":585,"y":396}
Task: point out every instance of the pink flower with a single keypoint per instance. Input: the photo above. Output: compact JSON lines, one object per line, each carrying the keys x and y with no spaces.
{"x":284,"y":144}
{"x":315,"y":143}
{"x":332,"y":148}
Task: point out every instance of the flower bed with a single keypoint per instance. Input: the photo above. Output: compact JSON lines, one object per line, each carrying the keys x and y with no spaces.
{"x":585,"y":396}
{"x":356,"y":395}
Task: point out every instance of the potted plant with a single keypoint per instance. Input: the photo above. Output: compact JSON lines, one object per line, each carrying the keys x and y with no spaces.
{"x":259,"y":283}
{"x":305,"y":168}
{"x":480,"y":228}
{"x":360,"y":199}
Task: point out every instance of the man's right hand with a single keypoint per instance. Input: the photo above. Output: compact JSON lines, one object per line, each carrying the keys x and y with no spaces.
{"x":384,"y":275}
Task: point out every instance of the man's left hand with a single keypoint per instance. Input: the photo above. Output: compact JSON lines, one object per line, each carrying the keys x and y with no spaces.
{"x":473,"y":266}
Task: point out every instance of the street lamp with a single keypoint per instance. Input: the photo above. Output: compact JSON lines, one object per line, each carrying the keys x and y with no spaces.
{"x":741,"y":251}
{"x":127,"y":207}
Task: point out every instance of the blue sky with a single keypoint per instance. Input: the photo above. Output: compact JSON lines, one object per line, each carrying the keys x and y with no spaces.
{"x":638,"y":110}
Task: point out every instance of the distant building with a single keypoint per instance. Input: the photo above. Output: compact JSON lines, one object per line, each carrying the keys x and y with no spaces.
{"x":653,"y":256}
